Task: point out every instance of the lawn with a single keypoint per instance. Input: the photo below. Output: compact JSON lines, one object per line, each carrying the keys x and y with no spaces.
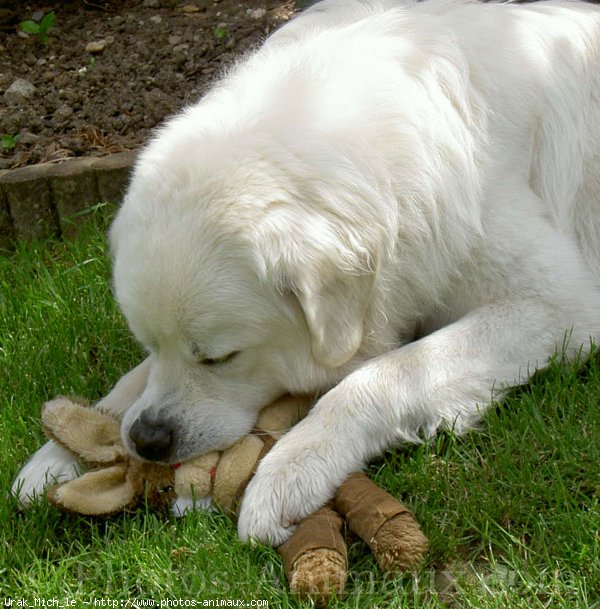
{"x":512,"y":510}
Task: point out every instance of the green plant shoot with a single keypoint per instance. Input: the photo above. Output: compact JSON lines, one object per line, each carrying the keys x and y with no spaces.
{"x":39,"y":28}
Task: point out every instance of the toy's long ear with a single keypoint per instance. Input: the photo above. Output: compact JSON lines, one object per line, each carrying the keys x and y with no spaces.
{"x":331,"y":271}
{"x":98,"y":493}
{"x":92,"y":435}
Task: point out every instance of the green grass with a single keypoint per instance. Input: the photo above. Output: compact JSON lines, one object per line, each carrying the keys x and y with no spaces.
{"x":511,"y":511}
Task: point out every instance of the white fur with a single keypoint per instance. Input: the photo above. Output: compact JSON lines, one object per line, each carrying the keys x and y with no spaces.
{"x":394,"y":205}
{"x":49,"y":465}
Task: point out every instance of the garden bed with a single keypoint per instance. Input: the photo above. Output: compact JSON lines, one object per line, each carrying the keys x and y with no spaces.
{"x":108,"y":71}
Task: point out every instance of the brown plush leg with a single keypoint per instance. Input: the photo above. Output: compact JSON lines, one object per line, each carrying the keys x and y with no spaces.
{"x":387,"y":526}
{"x":315,"y":559}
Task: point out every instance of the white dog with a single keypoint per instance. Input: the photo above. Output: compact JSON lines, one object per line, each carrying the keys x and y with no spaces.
{"x":393,"y":205}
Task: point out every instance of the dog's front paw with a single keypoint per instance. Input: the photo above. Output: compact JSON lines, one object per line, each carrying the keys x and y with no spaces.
{"x":51,"y":463}
{"x":289,"y":485}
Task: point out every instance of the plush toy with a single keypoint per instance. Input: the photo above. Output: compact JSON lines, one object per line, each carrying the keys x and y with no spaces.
{"x":314,"y":558}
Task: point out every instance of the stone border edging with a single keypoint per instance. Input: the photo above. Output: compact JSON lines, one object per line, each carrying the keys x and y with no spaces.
{"x":37,"y":201}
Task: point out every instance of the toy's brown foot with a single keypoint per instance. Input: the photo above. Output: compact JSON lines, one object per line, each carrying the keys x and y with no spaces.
{"x":319,"y":574}
{"x":399,"y":545}
{"x":315,"y":559}
{"x":387,"y":526}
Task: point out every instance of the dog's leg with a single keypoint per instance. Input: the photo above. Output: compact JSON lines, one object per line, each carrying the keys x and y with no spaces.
{"x":53,"y":463}
{"x":445,"y":379}
{"x":126,"y":391}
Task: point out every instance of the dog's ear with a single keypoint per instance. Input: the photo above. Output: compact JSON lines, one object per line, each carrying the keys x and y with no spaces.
{"x":331,"y":272}
{"x":334,"y":309}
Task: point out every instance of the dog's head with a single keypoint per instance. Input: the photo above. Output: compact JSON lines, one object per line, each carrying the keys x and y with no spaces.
{"x":242,"y":285}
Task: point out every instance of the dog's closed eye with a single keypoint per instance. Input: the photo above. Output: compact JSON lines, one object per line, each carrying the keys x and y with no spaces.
{"x":215,"y":361}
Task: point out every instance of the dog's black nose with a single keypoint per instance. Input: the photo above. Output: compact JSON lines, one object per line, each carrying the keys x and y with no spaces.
{"x":153,"y":438}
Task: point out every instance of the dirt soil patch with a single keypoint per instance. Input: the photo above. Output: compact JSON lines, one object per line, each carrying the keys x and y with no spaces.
{"x":109,"y":71}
